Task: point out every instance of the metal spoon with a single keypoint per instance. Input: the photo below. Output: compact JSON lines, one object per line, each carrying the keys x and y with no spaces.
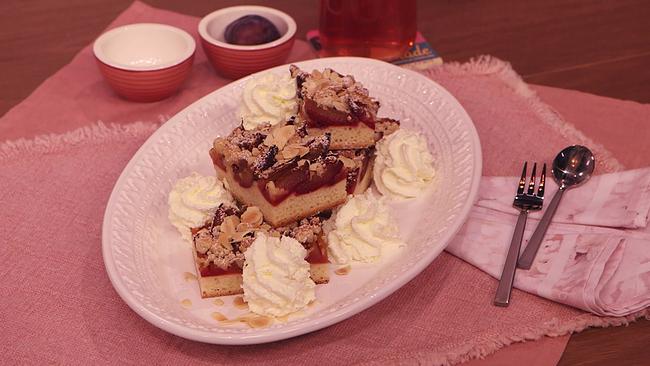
{"x":571,"y":167}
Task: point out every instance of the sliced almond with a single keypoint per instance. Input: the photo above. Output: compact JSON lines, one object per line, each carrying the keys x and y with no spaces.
{"x":188,"y":276}
{"x":187,"y":303}
{"x":203,"y":243}
{"x":218,"y":302}
{"x":242,"y":227}
{"x":260,"y":322}
{"x":239,"y":303}
{"x":229,"y":224}
{"x":218,"y":316}
{"x":239,"y":236}
{"x":253,"y":216}
{"x":342,"y":271}
{"x":316,"y":167}
{"x":347,"y":162}
{"x":293,"y":150}
{"x":269,"y":140}
{"x":282,"y":134}
{"x":224,"y":240}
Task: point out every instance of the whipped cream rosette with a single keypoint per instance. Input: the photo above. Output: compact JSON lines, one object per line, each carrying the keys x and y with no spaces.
{"x":268,"y":99}
{"x":403,"y":166}
{"x":276,"y":278}
{"x":193,"y":200}
{"x":364,"y":230}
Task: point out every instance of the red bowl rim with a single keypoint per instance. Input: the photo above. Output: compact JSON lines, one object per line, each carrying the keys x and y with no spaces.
{"x":259,"y":10}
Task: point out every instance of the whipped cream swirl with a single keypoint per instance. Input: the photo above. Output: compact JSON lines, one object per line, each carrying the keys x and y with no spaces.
{"x":364,"y":230}
{"x":404,"y":165}
{"x":276,"y":278}
{"x":268,"y":98}
{"x":193,"y":200}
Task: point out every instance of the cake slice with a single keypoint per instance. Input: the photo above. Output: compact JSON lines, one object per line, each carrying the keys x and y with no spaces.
{"x":338,"y":105}
{"x":284,"y":171}
{"x":219,"y":247}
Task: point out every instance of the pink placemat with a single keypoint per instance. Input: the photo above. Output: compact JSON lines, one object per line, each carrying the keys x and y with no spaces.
{"x":69,"y":313}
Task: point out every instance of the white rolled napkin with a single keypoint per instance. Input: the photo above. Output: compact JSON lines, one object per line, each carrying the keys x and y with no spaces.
{"x":618,"y":200}
{"x":596,"y":253}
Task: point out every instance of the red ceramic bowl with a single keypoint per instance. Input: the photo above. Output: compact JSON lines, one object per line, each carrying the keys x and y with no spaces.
{"x":235,"y":61}
{"x":145,"y":62}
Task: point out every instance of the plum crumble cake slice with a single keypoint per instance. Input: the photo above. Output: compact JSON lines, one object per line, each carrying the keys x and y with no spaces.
{"x":337,"y":104}
{"x":219,"y":247}
{"x":282,"y":170}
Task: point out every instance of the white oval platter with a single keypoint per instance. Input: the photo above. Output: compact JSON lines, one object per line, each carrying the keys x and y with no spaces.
{"x":146,"y":258}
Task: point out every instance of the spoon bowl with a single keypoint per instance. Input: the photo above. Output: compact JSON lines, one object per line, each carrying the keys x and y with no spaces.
{"x":573,"y":166}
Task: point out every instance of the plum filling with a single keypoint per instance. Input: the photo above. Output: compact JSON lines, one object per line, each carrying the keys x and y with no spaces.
{"x":319,"y":117}
{"x":361,"y":159}
{"x":243,"y":173}
{"x":322,"y":173}
{"x":213,"y":270}
{"x":301,"y":177}
{"x":279,"y":162}
{"x":318,"y":254}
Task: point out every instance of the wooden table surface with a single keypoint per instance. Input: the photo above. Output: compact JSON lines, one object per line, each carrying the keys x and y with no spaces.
{"x":601,"y":47}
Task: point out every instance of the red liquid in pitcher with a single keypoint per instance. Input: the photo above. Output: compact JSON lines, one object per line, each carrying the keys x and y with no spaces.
{"x":382,"y":29}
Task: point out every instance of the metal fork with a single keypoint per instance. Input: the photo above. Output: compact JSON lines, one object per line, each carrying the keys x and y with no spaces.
{"x":525,"y":202}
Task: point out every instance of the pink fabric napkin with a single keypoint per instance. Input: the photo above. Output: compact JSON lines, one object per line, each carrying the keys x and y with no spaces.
{"x":57,"y":304}
{"x":588,"y":261}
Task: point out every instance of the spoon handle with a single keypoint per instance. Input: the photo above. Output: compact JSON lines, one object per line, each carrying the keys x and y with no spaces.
{"x":527,"y":258}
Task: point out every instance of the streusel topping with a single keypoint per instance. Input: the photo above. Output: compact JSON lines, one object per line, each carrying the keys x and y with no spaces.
{"x":331,"y":90}
{"x":232,"y":231}
{"x":268,"y":149}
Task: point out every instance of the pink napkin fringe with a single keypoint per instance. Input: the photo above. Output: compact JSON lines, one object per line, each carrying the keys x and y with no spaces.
{"x":97,"y":133}
{"x":489,"y":65}
{"x":553,"y":328}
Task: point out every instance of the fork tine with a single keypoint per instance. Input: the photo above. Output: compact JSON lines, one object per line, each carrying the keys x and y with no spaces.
{"x":531,"y":184}
{"x":522,"y":181}
{"x":542,"y":180}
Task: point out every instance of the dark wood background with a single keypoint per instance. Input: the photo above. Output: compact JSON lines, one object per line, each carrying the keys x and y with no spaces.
{"x":601,"y":47}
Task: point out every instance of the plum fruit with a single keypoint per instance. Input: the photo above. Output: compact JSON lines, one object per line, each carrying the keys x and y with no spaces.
{"x":251,"y":30}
